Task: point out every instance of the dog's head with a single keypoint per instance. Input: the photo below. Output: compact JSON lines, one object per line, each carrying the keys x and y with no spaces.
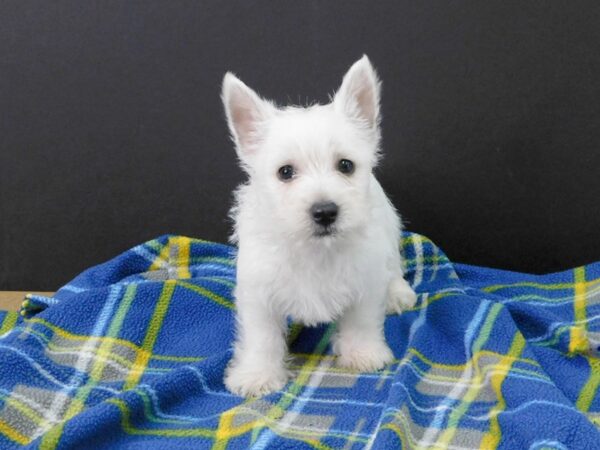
{"x":311,"y":166}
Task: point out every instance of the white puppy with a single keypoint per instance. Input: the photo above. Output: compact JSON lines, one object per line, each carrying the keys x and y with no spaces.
{"x":318,"y":238}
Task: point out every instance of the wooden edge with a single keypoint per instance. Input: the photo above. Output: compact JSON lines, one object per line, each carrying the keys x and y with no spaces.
{"x":11,"y":300}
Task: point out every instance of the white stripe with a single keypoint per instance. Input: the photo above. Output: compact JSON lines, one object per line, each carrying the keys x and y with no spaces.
{"x":141,"y":251}
{"x":556,"y":325}
{"x":431,"y":433}
{"x":85,"y":356}
{"x":288,"y":419}
{"x":47,"y":375}
{"x":418,"y":246}
{"x":71,"y":288}
{"x":418,"y":323}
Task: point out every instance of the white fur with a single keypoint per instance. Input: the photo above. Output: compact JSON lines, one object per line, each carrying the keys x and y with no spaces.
{"x":283,"y":268}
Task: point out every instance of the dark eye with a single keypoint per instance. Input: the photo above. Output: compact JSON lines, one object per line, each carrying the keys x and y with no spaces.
{"x":346,"y":166}
{"x":285,"y":173}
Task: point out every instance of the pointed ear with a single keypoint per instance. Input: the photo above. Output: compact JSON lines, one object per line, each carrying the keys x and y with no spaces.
{"x":246,"y":114}
{"x":358,"y":97}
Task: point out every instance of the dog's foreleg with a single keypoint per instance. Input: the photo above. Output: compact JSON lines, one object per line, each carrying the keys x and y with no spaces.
{"x":360,"y":342}
{"x":258,"y":364}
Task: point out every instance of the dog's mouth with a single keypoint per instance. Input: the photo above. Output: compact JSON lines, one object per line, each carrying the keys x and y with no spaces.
{"x":322,"y":232}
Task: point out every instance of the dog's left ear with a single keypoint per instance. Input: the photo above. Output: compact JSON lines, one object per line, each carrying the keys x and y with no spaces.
{"x":358,"y":97}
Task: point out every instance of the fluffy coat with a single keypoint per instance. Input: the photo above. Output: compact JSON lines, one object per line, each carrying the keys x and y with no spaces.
{"x":288,"y":266}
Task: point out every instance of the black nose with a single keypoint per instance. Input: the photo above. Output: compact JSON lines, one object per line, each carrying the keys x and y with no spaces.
{"x":324,"y":214}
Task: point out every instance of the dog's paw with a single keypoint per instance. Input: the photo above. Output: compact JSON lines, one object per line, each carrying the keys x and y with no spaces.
{"x":363,"y":357}
{"x":400,"y":296}
{"x":255,"y":382}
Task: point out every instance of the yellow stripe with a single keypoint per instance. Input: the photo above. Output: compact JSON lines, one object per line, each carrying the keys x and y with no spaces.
{"x":473,"y":391}
{"x":9,"y":321}
{"x":208,"y":294}
{"x":34,"y":415}
{"x":578,"y":341}
{"x":178,"y":358}
{"x":183,"y":257}
{"x":114,"y":341}
{"x":162,"y":257}
{"x":589,"y":390}
{"x":594,"y":419}
{"x":79,"y":337}
{"x":277,"y":411}
{"x":13,"y":434}
{"x":145,"y":353}
{"x":105,"y":356}
{"x":425,"y":373}
{"x":130,"y":429}
{"x":399,"y":432}
{"x":580,"y":297}
{"x":492,"y":437}
{"x":405,"y":241}
{"x":102,"y":354}
{"x":52,"y":436}
{"x":455,"y":367}
{"x":105,"y":349}
{"x":546,"y":287}
{"x":226,"y":430}
{"x":474,"y":359}
{"x":568,"y":297}
{"x":304,"y":435}
{"x":434,"y":298}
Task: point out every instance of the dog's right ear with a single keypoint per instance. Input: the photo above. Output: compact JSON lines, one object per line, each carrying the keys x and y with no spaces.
{"x":246,"y":114}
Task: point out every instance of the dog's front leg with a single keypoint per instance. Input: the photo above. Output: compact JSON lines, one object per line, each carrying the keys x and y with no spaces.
{"x":258,"y":364}
{"x":360,"y":342}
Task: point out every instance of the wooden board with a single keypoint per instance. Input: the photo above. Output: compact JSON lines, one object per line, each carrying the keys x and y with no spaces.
{"x":11,"y":300}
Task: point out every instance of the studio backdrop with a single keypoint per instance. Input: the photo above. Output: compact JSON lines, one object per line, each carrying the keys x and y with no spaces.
{"x":112,"y":131}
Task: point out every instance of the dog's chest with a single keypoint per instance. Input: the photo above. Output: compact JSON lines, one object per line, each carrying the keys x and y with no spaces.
{"x":319,"y":291}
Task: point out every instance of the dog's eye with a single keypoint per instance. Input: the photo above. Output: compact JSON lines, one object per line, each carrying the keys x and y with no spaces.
{"x":285,"y":173}
{"x":346,"y":166}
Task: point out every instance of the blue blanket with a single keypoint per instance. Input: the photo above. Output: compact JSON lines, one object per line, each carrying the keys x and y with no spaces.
{"x":131,"y":354}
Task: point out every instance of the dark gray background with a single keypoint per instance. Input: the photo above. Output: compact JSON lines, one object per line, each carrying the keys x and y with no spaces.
{"x":112,"y":130}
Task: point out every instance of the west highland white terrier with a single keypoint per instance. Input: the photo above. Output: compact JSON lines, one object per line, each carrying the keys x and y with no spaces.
{"x":318,"y":238}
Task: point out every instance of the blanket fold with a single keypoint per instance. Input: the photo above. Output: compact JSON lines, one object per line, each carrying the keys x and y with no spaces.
{"x":131,"y":354}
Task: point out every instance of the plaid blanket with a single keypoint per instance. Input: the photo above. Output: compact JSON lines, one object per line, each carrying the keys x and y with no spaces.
{"x":131,"y":354}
